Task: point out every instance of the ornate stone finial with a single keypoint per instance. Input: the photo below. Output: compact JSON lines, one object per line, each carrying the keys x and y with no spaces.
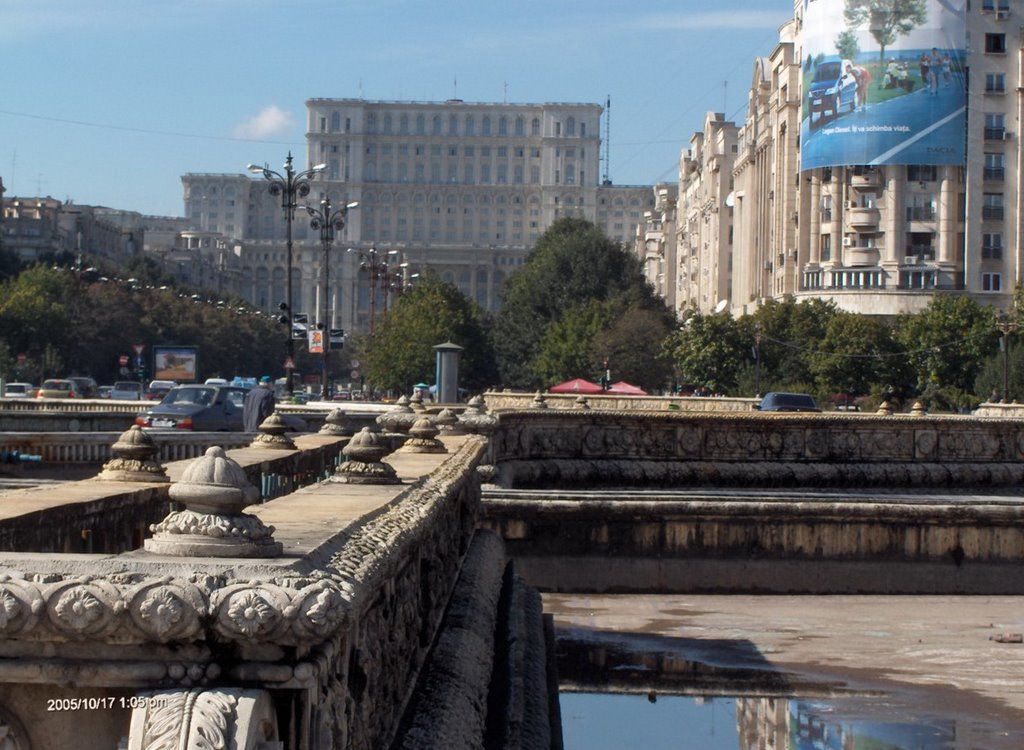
{"x":539,"y":402}
{"x":918,"y":410}
{"x":582,"y":403}
{"x":416,"y":402}
{"x":399,"y":418}
{"x":423,"y":438}
{"x":214,"y":490}
{"x":885,"y":409}
{"x":336,"y":423}
{"x":363,"y":463}
{"x":134,"y":459}
{"x":475,"y":419}
{"x":447,"y":421}
{"x":272,"y":434}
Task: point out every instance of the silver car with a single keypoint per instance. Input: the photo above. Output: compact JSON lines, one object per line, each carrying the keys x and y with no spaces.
{"x":126,"y":390}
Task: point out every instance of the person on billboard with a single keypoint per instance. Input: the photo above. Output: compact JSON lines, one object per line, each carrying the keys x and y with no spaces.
{"x":923,"y":65}
{"x":934,"y":66}
{"x":862,"y":78}
{"x":947,"y":69}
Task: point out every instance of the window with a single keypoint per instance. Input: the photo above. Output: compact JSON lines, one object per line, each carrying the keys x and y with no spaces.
{"x":995,"y":83}
{"x":994,"y":166}
{"x":991,"y":282}
{"x":920,"y":207}
{"x":992,"y":245}
{"x":535,"y":126}
{"x":921,"y":173}
{"x":995,"y":126}
{"x":995,"y":43}
{"x":992,"y":206}
{"x":826,"y":247}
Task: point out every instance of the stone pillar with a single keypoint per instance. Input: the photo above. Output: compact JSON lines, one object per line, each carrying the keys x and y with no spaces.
{"x":447,"y":372}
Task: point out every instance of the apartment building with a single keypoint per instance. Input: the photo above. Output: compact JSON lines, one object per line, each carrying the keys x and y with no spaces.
{"x":881,"y":236}
{"x":462,"y":188}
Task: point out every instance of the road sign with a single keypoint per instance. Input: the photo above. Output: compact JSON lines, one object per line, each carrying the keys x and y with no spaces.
{"x":289,"y":363}
{"x":354,"y":374}
{"x":123,"y":360}
{"x":139,"y":348}
{"x":316,"y":341}
{"x":355,"y":363}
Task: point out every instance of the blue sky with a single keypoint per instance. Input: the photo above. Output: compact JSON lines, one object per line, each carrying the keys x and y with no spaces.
{"x":109,"y":102}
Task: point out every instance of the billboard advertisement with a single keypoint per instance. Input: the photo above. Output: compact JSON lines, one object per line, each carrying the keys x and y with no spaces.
{"x":176,"y":363}
{"x":883,"y":82}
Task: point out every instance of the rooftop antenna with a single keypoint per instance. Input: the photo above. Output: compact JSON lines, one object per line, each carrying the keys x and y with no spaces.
{"x":455,"y":88}
{"x":725,"y":97}
{"x":504,"y":94}
{"x":607,"y":140}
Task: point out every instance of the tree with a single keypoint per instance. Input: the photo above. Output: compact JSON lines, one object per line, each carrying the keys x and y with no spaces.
{"x":946,"y":344}
{"x":567,"y":348}
{"x":847,"y":46}
{"x":572,"y":262}
{"x":633,"y":345}
{"x":432,"y":312}
{"x":886,"y":19}
{"x":708,"y":351}
{"x":790,"y":334}
{"x":858,"y":356}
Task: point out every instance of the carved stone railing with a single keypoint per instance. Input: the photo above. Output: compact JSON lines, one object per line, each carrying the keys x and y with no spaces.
{"x":330,"y":636}
{"x":94,"y":447}
{"x":510,"y":400}
{"x":574,"y":448}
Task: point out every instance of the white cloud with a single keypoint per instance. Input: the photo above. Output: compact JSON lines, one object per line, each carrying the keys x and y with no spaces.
{"x":270,"y":122}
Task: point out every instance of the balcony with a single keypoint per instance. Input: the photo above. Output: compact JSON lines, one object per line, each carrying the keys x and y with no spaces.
{"x":995,"y":134}
{"x":993,"y":213}
{"x":872,"y":179}
{"x":859,"y":256}
{"x":920,"y":213}
{"x":862,"y":217}
{"x":995,"y":174}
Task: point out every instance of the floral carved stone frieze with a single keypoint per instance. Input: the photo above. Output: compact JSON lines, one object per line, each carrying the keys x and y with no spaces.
{"x":164,"y":610}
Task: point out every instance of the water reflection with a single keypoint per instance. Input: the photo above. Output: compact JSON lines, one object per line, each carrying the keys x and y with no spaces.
{"x":602,"y":721}
{"x":633,"y":694}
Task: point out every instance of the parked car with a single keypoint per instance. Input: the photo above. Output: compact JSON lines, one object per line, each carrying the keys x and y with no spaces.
{"x":87,"y":387}
{"x":215,"y":381}
{"x":777,"y":401}
{"x":831,"y":89}
{"x":158,"y":389}
{"x":208,"y":408}
{"x":19,"y":390}
{"x":126,"y":390}
{"x":104,"y":391}
{"x":59,"y":388}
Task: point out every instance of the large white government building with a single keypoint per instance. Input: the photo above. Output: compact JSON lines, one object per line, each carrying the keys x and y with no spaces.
{"x":744,"y":224}
{"x":462,"y":188}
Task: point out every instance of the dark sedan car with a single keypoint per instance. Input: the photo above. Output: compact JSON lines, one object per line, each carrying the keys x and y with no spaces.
{"x":207,"y":408}
{"x":787,"y":402}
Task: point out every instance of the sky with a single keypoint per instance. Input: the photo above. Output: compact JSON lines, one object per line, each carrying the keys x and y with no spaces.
{"x":110,"y":102}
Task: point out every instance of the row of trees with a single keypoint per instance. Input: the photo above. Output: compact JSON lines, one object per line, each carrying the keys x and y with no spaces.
{"x":578,"y":302}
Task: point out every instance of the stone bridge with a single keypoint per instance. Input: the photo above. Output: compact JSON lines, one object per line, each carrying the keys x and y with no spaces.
{"x":351,"y":615}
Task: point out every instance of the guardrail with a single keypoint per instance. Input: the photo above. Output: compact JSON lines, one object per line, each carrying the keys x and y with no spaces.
{"x":94,"y":447}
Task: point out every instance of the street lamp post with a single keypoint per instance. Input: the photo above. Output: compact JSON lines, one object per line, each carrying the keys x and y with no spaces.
{"x":327,"y":222}
{"x":290,"y":186}
{"x":380,"y":269}
{"x":1006,"y":324}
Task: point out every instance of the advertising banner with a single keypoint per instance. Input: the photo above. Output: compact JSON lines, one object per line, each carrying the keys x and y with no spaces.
{"x":176,"y":363}
{"x":883,"y":82}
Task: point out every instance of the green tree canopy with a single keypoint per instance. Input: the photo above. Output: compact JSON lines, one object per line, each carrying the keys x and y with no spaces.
{"x":790,"y":334}
{"x":433,"y":312}
{"x":946,"y":344}
{"x":886,"y":19}
{"x":572,"y":262}
{"x":860,"y":355}
{"x":708,"y":351}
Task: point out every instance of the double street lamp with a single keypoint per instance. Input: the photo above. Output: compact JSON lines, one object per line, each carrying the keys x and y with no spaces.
{"x":384,"y":272}
{"x":290,"y":186}
{"x":1006,"y":324}
{"x":327,"y":222}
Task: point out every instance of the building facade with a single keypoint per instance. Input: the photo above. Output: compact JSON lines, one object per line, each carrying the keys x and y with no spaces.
{"x":880,"y":239}
{"x":462,"y":188}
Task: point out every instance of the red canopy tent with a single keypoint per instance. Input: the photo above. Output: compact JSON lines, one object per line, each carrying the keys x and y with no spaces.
{"x":576,"y":385}
{"x":623,"y":388}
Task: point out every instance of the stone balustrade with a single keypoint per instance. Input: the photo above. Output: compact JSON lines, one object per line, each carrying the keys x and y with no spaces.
{"x":328,"y":638}
{"x":509,"y":400}
{"x":94,"y":447}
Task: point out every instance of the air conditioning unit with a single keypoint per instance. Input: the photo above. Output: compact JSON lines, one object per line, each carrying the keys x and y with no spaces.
{"x":847,"y":241}
{"x":849,"y":204}
{"x":1007,"y":135}
{"x":1002,"y":15}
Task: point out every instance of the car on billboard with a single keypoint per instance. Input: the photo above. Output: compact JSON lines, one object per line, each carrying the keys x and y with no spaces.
{"x":831,"y":89}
